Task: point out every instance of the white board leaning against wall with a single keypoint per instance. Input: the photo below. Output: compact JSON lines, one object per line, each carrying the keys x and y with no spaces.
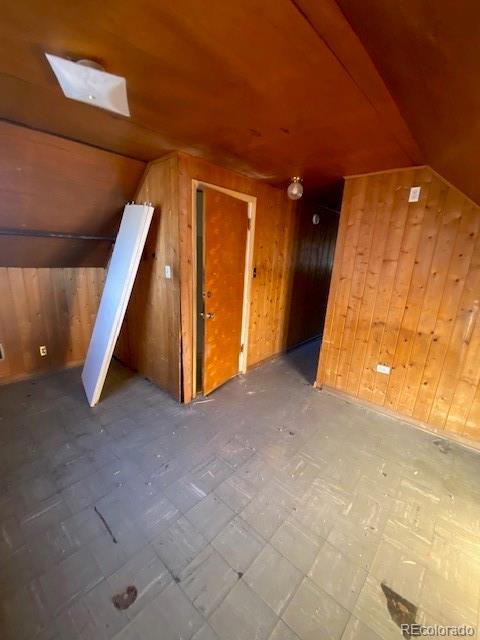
{"x":116,"y":294}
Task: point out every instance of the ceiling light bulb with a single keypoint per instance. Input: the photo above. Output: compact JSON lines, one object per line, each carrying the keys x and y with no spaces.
{"x":92,"y":64}
{"x":295,"y":188}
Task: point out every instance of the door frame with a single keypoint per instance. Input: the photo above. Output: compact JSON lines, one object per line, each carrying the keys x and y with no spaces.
{"x":247,"y":282}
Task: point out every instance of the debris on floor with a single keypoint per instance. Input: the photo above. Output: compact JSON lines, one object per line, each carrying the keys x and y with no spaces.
{"x":233,"y":515}
{"x":125,"y":599}
{"x":443,"y":445}
{"x":106,"y":525}
{"x":401,"y":610}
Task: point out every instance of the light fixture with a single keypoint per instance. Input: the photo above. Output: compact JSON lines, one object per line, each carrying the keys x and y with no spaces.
{"x":295,"y":188}
{"x":87,"y":81}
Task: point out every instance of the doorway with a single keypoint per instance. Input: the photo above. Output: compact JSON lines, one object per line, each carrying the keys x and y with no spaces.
{"x":224,"y":230}
{"x":316,"y":237}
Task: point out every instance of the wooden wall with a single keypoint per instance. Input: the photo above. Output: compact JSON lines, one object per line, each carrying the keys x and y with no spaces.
{"x":273,"y":258}
{"x":292,"y":257}
{"x":52,"y":307}
{"x":156,"y":338}
{"x":150,"y":338}
{"x":405,"y":293}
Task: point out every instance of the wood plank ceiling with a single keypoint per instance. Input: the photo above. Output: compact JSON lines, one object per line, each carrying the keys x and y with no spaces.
{"x":272,"y":89}
{"x":428,"y":54}
{"x":48,"y":184}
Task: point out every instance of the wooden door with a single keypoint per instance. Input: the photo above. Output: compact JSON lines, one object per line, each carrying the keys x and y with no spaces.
{"x":225,"y":241}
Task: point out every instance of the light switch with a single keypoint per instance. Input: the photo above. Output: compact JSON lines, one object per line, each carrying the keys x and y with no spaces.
{"x":168,"y":272}
{"x":414,"y":194}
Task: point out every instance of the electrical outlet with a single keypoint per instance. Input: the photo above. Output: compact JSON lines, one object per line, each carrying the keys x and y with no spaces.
{"x":414,"y":195}
{"x":2,"y":352}
{"x":383,"y":368}
{"x":43,"y":350}
{"x":168,"y":272}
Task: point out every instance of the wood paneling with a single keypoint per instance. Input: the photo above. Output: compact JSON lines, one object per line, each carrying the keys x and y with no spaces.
{"x":312,"y":269}
{"x":405,"y":293}
{"x":274,"y":246}
{"x":51,"y":307}
{"x":150,"y":337}
{"x":157,"y":337}
{"x":255,"y":86}
{"x":294,"y":90}
{"x":427,"y":53}
{"x":48,"y":183}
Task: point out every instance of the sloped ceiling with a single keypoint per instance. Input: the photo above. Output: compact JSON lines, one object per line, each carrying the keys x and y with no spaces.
{"x":49,"y":184}
{"x":428,"y":53}
{"x":271,"y":88}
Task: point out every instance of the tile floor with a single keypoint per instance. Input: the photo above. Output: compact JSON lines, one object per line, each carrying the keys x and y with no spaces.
{"x":268,"y":511}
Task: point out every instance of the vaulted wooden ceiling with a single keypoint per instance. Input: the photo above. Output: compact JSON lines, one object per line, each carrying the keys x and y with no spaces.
{"x":428,"y":53}
{"x":272,"y":88}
